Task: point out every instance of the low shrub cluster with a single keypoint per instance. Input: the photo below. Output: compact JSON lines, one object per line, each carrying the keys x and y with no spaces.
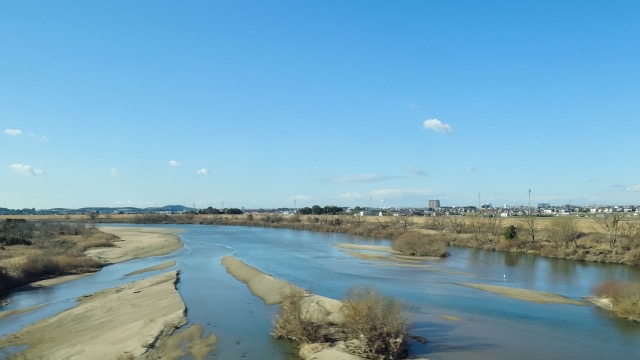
{"x":624,"y":296}
{"x":419,"y":244}
{"x":293,"y":323}
{"x":376,"y":325}
{"x":373,"y":326}
{"x":32,"y":251}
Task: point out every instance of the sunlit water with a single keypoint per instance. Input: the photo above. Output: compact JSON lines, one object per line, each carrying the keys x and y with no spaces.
{"x":489,"y":327}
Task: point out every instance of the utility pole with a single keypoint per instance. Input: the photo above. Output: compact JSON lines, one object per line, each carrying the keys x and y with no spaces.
{"x":529,"y":202}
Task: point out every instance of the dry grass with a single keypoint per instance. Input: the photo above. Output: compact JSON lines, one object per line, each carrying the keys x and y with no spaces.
{"x":420,"y":244}
{"x":51,"y":249}
{"x":292,"y":323}
{"x":376,"y":326}
{"x":625,"y":297}
{"x":373,"y":327}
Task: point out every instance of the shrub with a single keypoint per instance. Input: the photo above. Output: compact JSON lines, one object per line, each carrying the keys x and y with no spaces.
{"x":625,"y":297}
{"x":510,"y":232}
{"x":373,"y":326}
{"x":415,"y":243}
{"x":607,"y":289}
{"x":292,"y":324}
{"x":376,"y":325}
{"x":632,"y":257}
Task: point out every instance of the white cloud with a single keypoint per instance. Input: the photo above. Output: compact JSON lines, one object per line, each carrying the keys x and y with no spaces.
{"x":358,"y":178}
{"x":202,"y":171}
{"x":115,"y":172}
{"x":634,"y":188}
{"x":38,"y":138}
{"x":398,"y":193}
{"x":437,"y":126}
{"x":175,"y":163}
{"x":23,"y":169}
{"x":415,"y":170}
{"x":352,"y":196}
{"x":13,"y":132}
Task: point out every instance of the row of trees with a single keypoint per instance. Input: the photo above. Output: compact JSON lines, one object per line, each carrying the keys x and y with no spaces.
{"x":213,"y":211}
{"x":317,"y":210}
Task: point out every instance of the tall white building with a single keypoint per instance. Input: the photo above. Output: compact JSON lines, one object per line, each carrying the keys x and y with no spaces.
{"x":434,"y":204}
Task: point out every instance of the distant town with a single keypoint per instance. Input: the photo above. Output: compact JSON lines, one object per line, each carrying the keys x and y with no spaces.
{"x":433,"y":208}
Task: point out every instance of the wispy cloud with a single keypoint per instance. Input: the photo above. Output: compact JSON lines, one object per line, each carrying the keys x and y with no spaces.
{"x":175,"y":163}
{"x":398,"y":193}
{"x":386,"y":194}
{"x":470,"y":169}
{"x":38,"y":138}
{"x":114,"y":172}
{"x":202,"y":171}
{"x":13,"y":132}
{"x":437,"y":126}
{"x":415,"y":170}
{"x":353,"y":196}
{"x":23,"y":169}
{"x":634,"y":188}
{"x":359,"y":178}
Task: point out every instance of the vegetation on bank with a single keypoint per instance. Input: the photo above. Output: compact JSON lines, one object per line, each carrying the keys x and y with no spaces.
{"x":31,"y":251}
{"x":610,"y":238}
{"x":624,"y":297}
{"x":373,"y":326}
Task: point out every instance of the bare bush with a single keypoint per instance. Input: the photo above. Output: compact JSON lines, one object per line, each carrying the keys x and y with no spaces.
{"x":292,"y":324}
{"x":625,"y":297}
{"x":419,"y":244}
{"x":376,"y":325}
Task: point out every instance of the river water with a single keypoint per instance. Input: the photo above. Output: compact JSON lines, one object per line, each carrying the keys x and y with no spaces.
{"x":460,"y":322}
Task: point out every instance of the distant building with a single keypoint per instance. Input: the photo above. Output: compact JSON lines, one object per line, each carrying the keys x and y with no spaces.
{"x":544,"y":205}
{"x":434,"y":204}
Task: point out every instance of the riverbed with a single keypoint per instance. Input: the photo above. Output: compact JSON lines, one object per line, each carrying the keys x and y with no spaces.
{"x":461,"y":322}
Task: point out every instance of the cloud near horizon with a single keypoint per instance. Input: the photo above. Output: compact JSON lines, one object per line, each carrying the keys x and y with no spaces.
{"x":437,"y":126}
{"x":175,"y":163}
{"x":415,"y":170}
{"x":358,"y":178}
{"x":384,"y":194}
{"x":202,"y":171}
{"x":23,"y":169}
{"x":634,"y":188}
{"x":13,"y":132}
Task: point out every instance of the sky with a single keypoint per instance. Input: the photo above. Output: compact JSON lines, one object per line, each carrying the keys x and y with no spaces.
{"x":267,"y":104}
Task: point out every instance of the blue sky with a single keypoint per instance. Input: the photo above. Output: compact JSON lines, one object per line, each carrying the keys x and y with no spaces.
{"x":295,"y":103}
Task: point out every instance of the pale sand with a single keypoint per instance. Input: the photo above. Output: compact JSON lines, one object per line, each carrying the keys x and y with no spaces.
{"x":314,"y":308}
{"x":120,"y":322}
{"x":4,"y":314}
{"x":391,"y":255}
{"x":137,"y":242}
{"x":163,"y":266}
{"x":540,"y":297}
{"x":107,"y":324}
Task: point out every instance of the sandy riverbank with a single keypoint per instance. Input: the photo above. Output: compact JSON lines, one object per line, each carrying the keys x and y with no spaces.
{"x":123,"y":322}
{"x":102,"y":327}
{"x":137,"y":242}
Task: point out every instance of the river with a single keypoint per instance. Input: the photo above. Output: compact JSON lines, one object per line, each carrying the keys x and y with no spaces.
{"x":460,"y":322}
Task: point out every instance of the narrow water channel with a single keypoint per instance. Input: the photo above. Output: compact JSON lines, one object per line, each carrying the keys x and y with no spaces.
{"x":460,"y":322}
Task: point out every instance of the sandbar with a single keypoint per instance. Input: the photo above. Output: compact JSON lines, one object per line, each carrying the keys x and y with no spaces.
{"x":117,"y":322}
{"x":165,"y":265}
{"x":539,"y":297}
{"x":137,"y":242}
